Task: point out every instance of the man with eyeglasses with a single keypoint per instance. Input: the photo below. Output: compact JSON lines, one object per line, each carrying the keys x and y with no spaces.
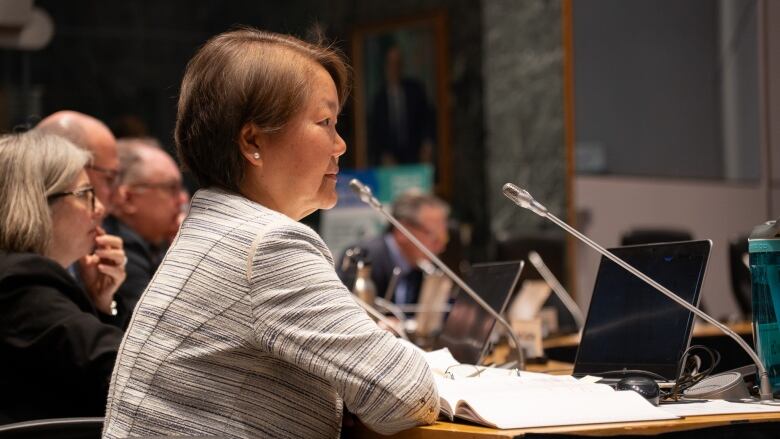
{"x":148,"y":203}
{"x":426,"y":217}
{"x":90,"y":134}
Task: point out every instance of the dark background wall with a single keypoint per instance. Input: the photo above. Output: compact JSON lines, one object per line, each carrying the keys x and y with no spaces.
{"x":122,"y":62}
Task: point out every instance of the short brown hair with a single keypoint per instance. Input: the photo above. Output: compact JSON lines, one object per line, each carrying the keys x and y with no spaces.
{"x":241,"y":76}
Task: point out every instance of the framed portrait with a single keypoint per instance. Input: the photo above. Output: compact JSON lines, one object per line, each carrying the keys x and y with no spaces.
{"x":401,"y":111}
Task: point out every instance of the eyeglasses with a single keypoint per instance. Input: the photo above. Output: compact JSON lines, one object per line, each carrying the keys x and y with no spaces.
{"x":441,"y":236}
{"x":458,"y":371}
{"x":173,"y":188}
{"x":111,"y":175}
{"x":86,"y":194}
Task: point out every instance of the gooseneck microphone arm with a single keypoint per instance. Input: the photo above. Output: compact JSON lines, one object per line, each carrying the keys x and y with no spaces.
{"x":557,"y":288}
{"x":397,"y":328}
{"x":364,"y":192}
{"x":524,"y":199}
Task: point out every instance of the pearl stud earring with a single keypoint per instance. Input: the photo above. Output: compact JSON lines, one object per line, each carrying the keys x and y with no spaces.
{"x":256,"y":156}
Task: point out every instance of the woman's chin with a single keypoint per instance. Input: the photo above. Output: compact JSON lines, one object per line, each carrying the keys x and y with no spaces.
{"x":329,"y":199}
{"x":324,"y":200}
{"x":329,"y":204}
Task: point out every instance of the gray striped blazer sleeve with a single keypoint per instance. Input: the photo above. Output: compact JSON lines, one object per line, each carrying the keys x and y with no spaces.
{"x":303,"y":314}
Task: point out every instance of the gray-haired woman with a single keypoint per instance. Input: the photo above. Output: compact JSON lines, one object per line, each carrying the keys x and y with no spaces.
{"x":56,"y":353}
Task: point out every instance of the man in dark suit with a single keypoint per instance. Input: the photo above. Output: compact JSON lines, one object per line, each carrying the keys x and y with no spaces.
{"x":426,"y":217}
{"x":147,"y":212}
{"x":401,"y":125}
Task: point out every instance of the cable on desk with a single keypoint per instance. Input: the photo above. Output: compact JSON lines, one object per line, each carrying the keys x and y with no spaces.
{"x":690,"y":374}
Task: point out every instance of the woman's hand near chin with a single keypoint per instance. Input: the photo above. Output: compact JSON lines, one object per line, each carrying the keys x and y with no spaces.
{"x":104,"y":271}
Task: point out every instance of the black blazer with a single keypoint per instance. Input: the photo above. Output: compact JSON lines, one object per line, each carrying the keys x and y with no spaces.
{"x":56,"y":356}
{"x":143,"y":259}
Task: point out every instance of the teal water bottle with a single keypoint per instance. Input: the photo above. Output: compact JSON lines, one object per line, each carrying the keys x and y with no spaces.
{"x":764,"y":250}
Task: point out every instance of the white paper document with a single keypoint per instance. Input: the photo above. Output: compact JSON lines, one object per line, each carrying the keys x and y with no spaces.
{"x":501,"y":399}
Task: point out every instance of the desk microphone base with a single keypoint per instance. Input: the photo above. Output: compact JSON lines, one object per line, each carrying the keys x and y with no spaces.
{"x":730,"y":386}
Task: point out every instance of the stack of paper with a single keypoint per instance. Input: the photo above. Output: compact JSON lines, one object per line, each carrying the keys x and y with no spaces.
{"x":497,"y":398}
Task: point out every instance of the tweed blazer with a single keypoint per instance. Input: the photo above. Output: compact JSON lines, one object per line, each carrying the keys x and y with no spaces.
{"x":246,"y":331}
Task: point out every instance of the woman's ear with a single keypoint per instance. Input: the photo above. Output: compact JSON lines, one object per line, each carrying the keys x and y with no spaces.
{"x":249,"y":140}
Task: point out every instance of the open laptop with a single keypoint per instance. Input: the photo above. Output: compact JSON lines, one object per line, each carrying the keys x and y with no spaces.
{"x":630,"y":326}
{"x":468,"y":327}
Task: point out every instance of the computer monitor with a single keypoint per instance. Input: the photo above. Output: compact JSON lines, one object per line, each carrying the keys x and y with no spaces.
{"x":468,"y":327}
{"x":632,"y":326}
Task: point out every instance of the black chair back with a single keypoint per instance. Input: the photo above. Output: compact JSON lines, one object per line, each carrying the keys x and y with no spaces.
{"x":62,"y":428}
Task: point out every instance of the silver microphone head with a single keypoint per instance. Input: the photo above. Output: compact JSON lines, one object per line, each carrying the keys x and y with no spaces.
{"x":523,"y":199}
{"x":357,"y":186}
{"x":512,"y":192}
{"x":363,"y":192}
{"x":534,"y":258}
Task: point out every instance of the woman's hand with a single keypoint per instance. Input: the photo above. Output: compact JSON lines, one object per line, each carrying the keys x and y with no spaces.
{"x":104,"y":271}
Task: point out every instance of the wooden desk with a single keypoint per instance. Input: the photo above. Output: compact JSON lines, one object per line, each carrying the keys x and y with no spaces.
{"x":765,"y":424}
{"x":699,"y":330}
{"x":447,"y":430}
{"x":450,"y":430}
{"x":743,"y":329}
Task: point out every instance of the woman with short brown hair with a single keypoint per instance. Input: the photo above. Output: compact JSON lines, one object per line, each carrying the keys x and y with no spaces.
{"x":239,"y":77}
{"x":245,"y":330}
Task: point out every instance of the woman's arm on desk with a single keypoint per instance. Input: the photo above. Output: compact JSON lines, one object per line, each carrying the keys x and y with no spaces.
{"x":305,"y":315}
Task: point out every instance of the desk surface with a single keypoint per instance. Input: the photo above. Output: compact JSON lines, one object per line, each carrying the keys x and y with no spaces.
{"x":448,"y":430}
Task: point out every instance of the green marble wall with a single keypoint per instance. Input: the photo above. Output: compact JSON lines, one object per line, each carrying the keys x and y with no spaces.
{"x":523,"y":92}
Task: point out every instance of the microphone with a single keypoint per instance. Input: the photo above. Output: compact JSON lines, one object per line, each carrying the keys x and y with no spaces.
{"x":523,"y":199}
{"x":365,"y":194}
{"x":390,"y":307}
{"x":397,"y":328}
{"x":365,"y":295}
{"x":559,"y":290}
{"x":391,"y":284}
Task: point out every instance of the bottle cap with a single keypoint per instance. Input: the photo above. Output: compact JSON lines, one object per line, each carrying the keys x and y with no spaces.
{"x":764,"y":237}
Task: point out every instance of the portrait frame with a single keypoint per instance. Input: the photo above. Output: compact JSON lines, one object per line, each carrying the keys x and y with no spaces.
{"x":421,"y":42}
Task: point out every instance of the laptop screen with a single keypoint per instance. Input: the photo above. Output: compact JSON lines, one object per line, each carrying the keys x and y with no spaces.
{"x":468,"y":326}
{"x":632,"y":326}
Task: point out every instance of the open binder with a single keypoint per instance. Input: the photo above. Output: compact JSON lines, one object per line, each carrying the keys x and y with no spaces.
{"x":501,"y":399}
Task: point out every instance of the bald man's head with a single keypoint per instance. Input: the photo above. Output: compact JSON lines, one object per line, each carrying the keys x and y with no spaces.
{"x":149,"y":196}
{"x":94,"y":136}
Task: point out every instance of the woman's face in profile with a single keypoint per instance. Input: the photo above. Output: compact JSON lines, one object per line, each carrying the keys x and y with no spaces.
{"x":74,"y":222}
{"x":300,"y":164}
